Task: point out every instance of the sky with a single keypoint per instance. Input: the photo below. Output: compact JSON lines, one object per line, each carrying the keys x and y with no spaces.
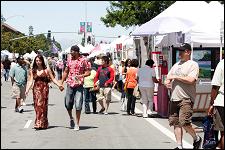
{"x":61,"y":16}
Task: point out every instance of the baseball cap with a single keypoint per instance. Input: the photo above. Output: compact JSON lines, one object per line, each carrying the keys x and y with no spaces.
{"x":75,"y":48}
{"x":184,"y":46}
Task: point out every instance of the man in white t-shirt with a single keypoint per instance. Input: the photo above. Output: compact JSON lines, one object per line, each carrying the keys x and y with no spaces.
{"x":146,"y":78}
{"x":182,"y":79}
{"x":216,"y":108}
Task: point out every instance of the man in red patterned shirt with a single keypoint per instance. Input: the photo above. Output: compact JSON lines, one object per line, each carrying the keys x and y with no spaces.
{"x":76,"y":69}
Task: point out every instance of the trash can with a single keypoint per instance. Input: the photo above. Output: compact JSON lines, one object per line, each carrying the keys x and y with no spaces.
{"x":163,"y":101}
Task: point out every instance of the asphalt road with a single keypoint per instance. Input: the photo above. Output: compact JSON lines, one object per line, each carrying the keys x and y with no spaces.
{"x":97,"y":131}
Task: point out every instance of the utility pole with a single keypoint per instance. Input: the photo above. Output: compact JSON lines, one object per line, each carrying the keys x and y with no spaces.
{"x":85,"y":31}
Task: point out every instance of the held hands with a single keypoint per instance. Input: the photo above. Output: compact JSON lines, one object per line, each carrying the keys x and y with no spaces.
{"x":26,"y":93}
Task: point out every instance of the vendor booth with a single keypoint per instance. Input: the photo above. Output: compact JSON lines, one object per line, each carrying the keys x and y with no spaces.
{"x":201,"y":27}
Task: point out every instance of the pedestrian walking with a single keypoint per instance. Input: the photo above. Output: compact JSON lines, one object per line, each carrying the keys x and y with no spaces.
{"x":146,"y":79}
{"x":216,"y":109}
{"x":182,"y":79}
{"x":121,"y":76}
{"x":19,"y":75}
{"x":89,"y":92}
{"x":2,"y":71}
{"x":76,"y":69}
{"x":40,"y":76}
{"x":7,"y":64}
{"x":131,"y":83}
{"x":105,"y":76}
{"x":59,"y":68}
{"x":124,"y":92}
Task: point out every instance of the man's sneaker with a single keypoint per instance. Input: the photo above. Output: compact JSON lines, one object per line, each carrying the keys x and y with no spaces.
{"x":197,"y":143}
{"x":77,"y":128}
{"x":72,"y":124}
{"x":145,"y":115}
{"x":106,"y":113}
{"x":102,"y":110}
{"x":16,"y":110}
{"x":20,"y":110}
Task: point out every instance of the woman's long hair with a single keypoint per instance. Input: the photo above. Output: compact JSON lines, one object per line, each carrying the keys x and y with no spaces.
{"x":42,"y":60}
{"x":126,"y":65}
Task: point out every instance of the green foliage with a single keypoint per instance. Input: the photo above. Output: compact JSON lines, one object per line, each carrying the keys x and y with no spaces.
{"x":25,"y":45}
{"x":130,"y":13}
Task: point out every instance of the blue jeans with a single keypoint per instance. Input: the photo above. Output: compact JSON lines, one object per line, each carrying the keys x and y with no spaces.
{"x":89,"y":96}
{"x":6,"y":75}
{"x":74,"y":95}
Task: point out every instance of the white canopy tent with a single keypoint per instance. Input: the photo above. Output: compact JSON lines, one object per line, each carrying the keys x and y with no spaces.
{"x":99,"y":49}
{"x":178,"y":17}
{"x":207,"y":32}
{"x":118,"y":41}
{"x":27,"y":55}
{"x":33,"y":55}
{"x":87,"y":48}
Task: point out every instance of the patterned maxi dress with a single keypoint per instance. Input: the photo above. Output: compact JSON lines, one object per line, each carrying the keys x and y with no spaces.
{"x":40,"y":96}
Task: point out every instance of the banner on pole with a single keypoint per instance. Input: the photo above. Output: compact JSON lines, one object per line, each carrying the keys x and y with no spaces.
{"x":82,"y":27}
{"x":89,"y":26}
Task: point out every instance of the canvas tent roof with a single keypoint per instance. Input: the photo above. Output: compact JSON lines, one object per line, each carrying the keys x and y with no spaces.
{"x":207,"y":32}
{"x":176,"y":18}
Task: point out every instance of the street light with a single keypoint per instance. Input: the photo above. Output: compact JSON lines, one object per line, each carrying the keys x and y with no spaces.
{"x":3,"y":19}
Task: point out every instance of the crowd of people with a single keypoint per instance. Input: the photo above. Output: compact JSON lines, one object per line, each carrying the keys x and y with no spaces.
{"x":91,"y":80}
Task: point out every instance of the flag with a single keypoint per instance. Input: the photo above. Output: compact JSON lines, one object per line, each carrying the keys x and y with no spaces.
{"x":55,"y":49}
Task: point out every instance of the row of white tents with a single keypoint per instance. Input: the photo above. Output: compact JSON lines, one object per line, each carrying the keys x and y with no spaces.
{"x":103,"y":48}
{"x":6,"y":53}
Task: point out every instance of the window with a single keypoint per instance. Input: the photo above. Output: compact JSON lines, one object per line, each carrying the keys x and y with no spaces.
{"x":207,"y":59}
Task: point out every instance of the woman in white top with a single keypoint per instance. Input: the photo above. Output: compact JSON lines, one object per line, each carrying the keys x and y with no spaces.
{"x":146,"y":78}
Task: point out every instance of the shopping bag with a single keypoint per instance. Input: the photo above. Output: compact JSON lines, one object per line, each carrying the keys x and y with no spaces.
{"x":125,"y":86}
{"x":123,"y":106}
{"x":209,"y":141}
{"x":136,"y":92}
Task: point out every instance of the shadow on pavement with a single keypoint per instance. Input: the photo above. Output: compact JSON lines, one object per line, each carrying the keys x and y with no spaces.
{"x":114,"y":101}
{"x":25,"y":110}
{"x":112,"y":113}
{"x":86,"y":127}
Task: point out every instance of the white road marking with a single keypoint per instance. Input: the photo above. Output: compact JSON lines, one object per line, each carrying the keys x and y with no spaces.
{"x":28,"y":124}
{"x":159,"y":126}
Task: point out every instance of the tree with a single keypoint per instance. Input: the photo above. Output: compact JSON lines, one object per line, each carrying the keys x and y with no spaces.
{"x":130,"y":13}
{"x":25,"y":45}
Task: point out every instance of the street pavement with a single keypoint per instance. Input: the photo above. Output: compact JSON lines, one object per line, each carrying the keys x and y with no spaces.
{"x":97,"y":131}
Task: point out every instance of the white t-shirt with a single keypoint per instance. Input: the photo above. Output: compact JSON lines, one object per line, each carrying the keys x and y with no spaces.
{"x":181,"y":90}
{"x":145,"y":75}
{"x":218,"y":80}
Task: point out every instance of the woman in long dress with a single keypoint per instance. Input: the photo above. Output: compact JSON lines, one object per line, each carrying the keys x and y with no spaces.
{"x":41,"y":77}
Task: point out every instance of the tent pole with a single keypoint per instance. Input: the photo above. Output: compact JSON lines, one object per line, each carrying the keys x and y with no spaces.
{"x":221,"y":39}
{"x":192,"y":50}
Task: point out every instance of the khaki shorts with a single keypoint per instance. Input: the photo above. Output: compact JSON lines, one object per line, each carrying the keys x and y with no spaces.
{"x":180,"y":112}
{"x":18,"y":92}
{"x":218,"y":118}
{"x":104,"y":94}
